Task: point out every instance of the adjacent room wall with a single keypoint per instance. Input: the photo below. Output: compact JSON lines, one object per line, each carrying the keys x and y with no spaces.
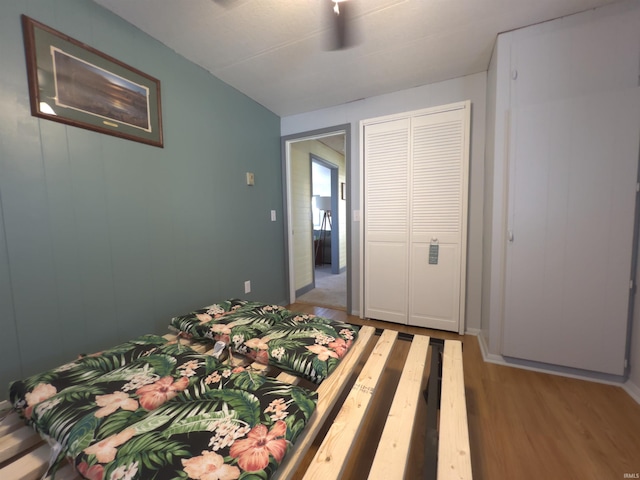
{"x":301,"y":214}
{"x":103,"y":239}
{"x":472,"y":88}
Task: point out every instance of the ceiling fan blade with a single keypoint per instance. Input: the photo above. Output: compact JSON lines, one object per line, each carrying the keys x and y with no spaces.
{"x":342,"y":28}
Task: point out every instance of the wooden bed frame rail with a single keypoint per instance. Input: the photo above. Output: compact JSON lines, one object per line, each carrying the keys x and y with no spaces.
{"x":24,"y":456}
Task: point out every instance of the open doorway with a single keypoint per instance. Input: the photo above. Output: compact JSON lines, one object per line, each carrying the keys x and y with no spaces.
{"x":325,"y":209}
{"x":316,"y":166}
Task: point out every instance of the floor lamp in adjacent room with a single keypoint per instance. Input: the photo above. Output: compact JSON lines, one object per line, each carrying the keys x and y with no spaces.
{"x":323,"y":204}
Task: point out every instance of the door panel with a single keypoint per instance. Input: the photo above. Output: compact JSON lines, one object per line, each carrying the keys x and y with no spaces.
{"x":573,"y":177}
{"x":435,"y":288}
{"x":386,"y":220}
{"x":386,"y":286}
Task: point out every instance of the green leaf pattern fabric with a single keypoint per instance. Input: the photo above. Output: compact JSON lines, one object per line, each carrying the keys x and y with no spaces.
{"x":24,"y":394}
{"x":235,"y":424}
{"x":304,"y":345}
{"x":232,"y":321}
{"x":170,"y":413}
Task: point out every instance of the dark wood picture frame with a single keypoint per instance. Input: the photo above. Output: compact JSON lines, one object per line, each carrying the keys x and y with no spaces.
{"x":73,"y":83}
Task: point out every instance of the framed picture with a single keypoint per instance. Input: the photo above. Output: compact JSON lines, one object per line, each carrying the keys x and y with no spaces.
{"x":73,"y":83}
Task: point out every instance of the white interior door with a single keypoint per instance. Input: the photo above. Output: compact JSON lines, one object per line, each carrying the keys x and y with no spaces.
{"x":386,"y":220}
{"x":572,"y":189}
{"x":439,"y":186}
{"x":415,"y":212}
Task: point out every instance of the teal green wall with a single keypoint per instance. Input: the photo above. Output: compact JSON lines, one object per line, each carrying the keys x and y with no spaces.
{"x":102,"y":239}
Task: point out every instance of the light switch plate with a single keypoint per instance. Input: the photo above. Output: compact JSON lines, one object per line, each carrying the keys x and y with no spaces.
{"x":251,"y":180}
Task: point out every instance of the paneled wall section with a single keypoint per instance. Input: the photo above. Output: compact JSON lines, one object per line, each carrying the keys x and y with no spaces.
{"x":102,"y":239}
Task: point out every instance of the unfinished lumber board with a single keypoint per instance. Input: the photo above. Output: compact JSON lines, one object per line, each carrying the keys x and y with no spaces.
{"x":393,"y":449}
{"x":10,"y":423}
{"x":198,"y":347}
{"x":28,"y":467}
{"x":454,"y":461}
{"x":5,"y":407}
{"x":17,"y":441}
{"x":287,"y":378}
{"x":328,"y":393}
{"x":329,"y":461}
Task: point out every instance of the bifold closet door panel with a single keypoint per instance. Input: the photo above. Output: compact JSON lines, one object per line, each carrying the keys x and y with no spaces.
{"x":572,"y":197}
{"x":438,"y":192}
{"x":386,"y":288}
{"x":386,"y":220}
{"x":435,"y":302}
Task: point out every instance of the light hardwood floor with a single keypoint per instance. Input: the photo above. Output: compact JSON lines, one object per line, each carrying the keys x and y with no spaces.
{"x":531,"y":425}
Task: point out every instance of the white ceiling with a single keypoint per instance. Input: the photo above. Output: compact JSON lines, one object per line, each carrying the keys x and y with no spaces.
{"x":275,"y":51}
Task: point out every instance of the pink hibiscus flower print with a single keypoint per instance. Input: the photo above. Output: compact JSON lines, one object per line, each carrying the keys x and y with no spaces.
{"x":93,"y":472}
{"x":41,"y":392}
{"x":221,"y":333}
{"x":112,"y":402}
{"x":204,"y":317}
{"x":260,"y":356}
{"x":257,"y":343}
{"x":154,"y":395}
{"x":323,"y":352}
{"x":253,"y":452}
{"x":339,"y":346}
{"x":105,"y":450}
{"x":209,"y":466}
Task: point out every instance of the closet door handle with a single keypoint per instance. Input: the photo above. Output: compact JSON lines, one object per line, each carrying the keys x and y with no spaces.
{"x":510,"y":236}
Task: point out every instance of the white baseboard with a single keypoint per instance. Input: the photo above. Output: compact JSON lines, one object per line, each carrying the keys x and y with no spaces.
{"x":632,"y":389}
{"x":486,"y":356}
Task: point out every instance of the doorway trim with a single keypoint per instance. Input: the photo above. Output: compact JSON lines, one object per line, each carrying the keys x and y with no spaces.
{"x":285,"y":142}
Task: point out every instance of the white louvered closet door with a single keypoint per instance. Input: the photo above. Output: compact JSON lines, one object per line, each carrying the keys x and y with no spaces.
{"x":386,"y":220}
{"x":415,"y":185}
{"x":438,"y":220}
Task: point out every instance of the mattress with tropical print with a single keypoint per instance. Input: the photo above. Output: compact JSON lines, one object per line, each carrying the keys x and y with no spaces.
{"x":153,"y":409}
{"x":304,"y":345}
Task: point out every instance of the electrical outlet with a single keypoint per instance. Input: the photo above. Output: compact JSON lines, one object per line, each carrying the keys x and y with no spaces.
{"x":247,"y":286}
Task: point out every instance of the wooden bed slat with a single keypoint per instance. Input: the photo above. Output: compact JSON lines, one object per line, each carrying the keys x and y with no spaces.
{"x":392,"y":453}
{"x":454,"y":461}
{"x":28,"y":467}
{"x":17,"y":441}
{"x":10,"y":423}
{"x":328,"y":393}
{"x":329,"y":461}
{"x":290,"y":379}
